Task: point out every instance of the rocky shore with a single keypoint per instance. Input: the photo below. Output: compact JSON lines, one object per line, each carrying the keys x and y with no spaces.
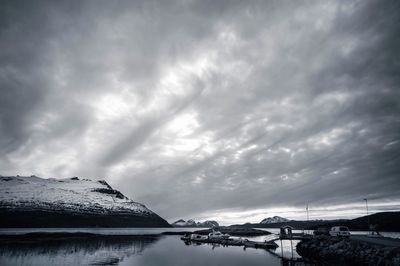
{"x":334,"y":251}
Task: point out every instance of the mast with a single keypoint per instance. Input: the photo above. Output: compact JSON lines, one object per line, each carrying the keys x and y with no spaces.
{"x":307,"y":212}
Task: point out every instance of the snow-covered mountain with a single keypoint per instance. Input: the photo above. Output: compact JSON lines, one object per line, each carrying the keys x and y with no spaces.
{"x":181,"y":222}
{"x":192,"y":223}
{"x":72,"y":202}
{"x":275,"y":219}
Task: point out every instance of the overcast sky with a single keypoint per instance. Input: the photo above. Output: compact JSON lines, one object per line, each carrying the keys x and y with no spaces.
{"x":226,"y":110}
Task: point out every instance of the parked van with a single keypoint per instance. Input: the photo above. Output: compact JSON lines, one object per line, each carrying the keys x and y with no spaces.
{"x":340,"y":231}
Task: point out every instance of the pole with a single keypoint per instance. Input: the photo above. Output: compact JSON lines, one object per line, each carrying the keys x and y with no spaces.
{"x":291,"y":246}
{"x":307,"y":214}
{"x":366,"y":205}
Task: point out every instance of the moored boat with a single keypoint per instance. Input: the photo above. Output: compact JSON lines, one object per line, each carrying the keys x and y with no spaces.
{"x":217,"y":235}
{"x":198,"y":237}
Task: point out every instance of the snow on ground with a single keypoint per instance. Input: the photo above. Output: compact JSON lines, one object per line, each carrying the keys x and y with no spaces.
{"x":64,"y":195}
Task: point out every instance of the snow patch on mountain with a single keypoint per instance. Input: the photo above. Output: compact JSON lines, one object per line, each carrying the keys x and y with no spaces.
{"x":275,"y":219}
{"x":192,"y":223}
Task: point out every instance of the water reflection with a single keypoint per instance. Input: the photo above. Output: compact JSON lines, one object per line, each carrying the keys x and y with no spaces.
{"x":286,"y":250}
{"x":124,"y":250}
{"x":74,"y":251}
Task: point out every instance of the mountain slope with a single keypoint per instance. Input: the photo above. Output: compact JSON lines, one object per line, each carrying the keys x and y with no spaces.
{"x":37,"y":202}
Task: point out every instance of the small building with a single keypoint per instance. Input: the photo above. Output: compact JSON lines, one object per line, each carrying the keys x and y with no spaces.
{"x":286,"y":231}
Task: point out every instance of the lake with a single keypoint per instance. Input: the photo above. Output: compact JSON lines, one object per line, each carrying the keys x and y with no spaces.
{"x":140,"y":250}
{"x":115,"y":247}
{"x":147,"y":248}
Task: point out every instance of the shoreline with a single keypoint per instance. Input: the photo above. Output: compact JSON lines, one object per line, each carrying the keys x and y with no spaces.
{"x":41,"y":236}
{"x":128,"y":230}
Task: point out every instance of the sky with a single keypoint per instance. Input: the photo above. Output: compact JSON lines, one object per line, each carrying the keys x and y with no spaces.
{"x":226,"y":110}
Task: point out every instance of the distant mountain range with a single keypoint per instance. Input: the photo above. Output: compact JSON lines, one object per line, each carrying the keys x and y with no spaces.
{"x":72,"y":202}
{"x":384,"y":221}
{"x":192,"y":223}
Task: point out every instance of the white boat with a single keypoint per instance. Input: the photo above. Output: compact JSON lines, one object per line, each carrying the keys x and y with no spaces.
{"x":198,"y":237}
{"x":217,"y":235}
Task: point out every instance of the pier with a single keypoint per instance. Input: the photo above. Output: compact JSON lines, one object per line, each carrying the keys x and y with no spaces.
{"x":270,"y":245}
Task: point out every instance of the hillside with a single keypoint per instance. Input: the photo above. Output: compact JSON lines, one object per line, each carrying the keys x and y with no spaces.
{"x":293,"y":223}
{"x":384,"y":221}
{"x":73,"y":202}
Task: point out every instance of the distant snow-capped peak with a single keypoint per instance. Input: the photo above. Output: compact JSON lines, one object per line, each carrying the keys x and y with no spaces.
{"x":193,"y":223}
{"x":275,"y":219}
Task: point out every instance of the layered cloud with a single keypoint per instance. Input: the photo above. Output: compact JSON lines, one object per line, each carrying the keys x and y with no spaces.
{"x":200,"y":109}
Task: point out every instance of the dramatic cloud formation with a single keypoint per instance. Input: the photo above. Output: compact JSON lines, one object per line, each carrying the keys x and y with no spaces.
{"x":232,"y":110}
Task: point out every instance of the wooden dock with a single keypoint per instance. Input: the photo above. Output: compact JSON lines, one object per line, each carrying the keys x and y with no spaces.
{"x":286,"y":233}
{"x":269,"y":246}
{"x":299,"y":236}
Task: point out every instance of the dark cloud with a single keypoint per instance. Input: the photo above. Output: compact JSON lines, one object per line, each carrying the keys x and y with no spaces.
{"x":227,"y":109}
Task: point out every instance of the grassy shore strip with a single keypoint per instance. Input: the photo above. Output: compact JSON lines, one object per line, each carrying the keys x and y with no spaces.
{"x":334,"y":251}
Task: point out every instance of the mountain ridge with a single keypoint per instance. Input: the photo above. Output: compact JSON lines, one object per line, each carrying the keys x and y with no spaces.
{"x":384,"y":221}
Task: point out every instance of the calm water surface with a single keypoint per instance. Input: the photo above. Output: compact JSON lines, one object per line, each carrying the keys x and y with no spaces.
{"x":147,"y":248}
{"x":140,"y":250}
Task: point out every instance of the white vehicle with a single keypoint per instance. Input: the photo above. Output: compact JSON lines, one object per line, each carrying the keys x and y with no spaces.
{"x":218,"y":235}
{"x":340,"y":231}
